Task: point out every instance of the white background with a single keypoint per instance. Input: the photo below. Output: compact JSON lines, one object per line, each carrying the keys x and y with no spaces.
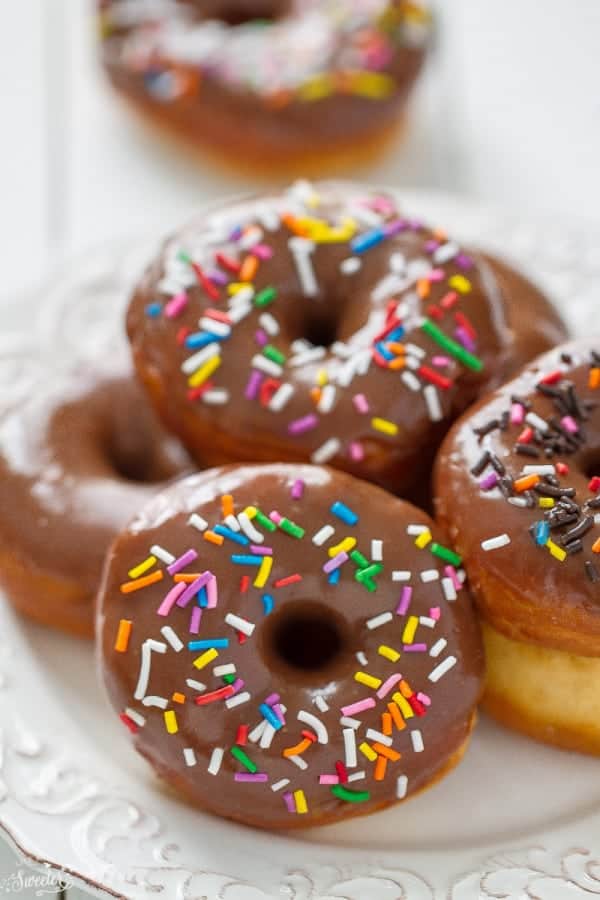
{"x":509,"y":113}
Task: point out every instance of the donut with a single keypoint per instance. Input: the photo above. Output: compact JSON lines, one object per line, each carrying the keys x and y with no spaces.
{"x":79,"y":454}
{"x":309,"y":654}
{"x":321,"y":325}
{"x":263,"y":83}
{"x":517,"y":485}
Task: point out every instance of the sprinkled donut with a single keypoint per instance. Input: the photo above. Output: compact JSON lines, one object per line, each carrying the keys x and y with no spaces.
{"x":321,"y":325}
{"x":268,"y":82}
{"x":308,"y":654}
{"x":78,"y":456}
{"x":518,"y":488}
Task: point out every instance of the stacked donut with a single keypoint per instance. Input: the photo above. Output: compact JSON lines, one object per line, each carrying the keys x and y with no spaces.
{"x":287,"y":639}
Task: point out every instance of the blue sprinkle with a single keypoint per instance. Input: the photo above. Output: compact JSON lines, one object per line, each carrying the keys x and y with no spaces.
{"x":153,"y":310}
{"x":232,"y":535}
{"x":334,"y":576}
{"x":343,"y":512}
{"x":382,"y":349}
{"x":268,"y":603}
{"x":366,"y":241}
{"x":542,"y":533}
{"x":202,"y":598}
{"x":200,"y":339}
{"x":270,"y":716}
{"x":241,"y":559}
{"x":208,"y":644}
{"x":398,"y":332}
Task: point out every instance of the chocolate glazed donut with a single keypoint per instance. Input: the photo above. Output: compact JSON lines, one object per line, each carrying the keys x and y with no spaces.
{"x":77,"y":457}
{"x":309,"y":653}
{"x":284,"y":83}
{"x":323,"y":325}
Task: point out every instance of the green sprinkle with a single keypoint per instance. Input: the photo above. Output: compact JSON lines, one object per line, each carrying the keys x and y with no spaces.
{"x":184,"y":256}
{"x":366,"y":576}
{"x":274,"y":354}
{"x":344,"y":793}
{"x":243,"y":759}
{"x":291,"y":528}
{"x":266,"y":296}
{"x":265,"y":521}
{"x":229,"y":679}
{"x":359,"y":560}
{"x":446,"y":554}
{"x":451,"y":346}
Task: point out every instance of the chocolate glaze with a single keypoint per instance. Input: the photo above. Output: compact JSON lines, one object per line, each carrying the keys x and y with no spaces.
{"x":521,"y":589}
{"x":76,"y":459}
{"x":261,"y":76}
{"x":510,"y":316}
{"x":444,"y":726}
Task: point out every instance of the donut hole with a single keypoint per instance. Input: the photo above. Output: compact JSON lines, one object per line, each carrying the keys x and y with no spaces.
{"x":305,"y":637}
{"x":320,"y":330}
{"x":243,"y":12}
{"x":591,"y":465}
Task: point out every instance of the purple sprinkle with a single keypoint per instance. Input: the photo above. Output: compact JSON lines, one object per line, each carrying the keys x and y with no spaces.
{"x":338,"y":560}
{"x":306,"y":423}
{"x":463,"y":261}
{"x":192,"y":589}
{"x":195,"y":620}
{"x":415,"y":648}
{"x":279,"y":712}
{"x":297,"y":489}
{"x":217,"y":276}
{"x":248,"y":776}
{"x":288,"y":798}
{"x":272,"y":698}
{"x":395,"y":227}
{"x":183,"y":561}
{"x":431,"y":246}
{"x":254,"y":382}
{"x":261,"y":551}
{"x":261,"y":337}
{"x":465,"y":339}
{"x":405,"y":598}
{"x":236,"y":234}
{"x":489,"y":482}
{"x":237,"y":685}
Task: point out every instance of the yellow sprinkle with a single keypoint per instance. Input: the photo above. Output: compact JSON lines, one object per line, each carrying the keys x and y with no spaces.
{"x":546,"y":502}
{"x":384,"y":426}
{"x":403,"y":705}
{"x":317,"y":88}
{"x":423,"y":539}
{"x":556,"y":551}
{"x":251,"y":511}
{"x":322,"y":377}
{"x":366,"y":750}
{"x":388,"y":652}
{"x":206,"y":658}
{"x":143,"y":567}
{"x":204,"y":372}
{"x":460,"y":283}
{"x":344,"y":546}
{"x":367,"y":680}
{"x":300,"y":801}
{"x":374,"y":85}
{"x":410,"y":629}
{"x":171,"y":721}
{"x":263,"y":572}
{"x":236,"y":286}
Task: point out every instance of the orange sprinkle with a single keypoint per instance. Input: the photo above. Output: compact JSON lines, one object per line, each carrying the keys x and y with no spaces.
{"x":423,"y":288}
{"x":438,"y":233}
{"x":130,"y":586}
{"x":596,"y":546}
{"x":380,"y":767}
{"x":396,"y":716}
{"x":315,"y":394}
{"x":227,"y":505}
{"x":393,"y":347}
{"x":123,"y":635}
{"x":186,"y":577}
{"x":398,"y":363}
{"x":293,"y":225}
{"x":405,"y":689}
{"x":213,"y":538}
{"x":386,"y":723}
{"x":249,"y":268}
{"x":386,"y":752}
{"x":594,"y":381}
{"x":525,"y":483}
{"x":178,"y":698}
{"x":298,"y":749}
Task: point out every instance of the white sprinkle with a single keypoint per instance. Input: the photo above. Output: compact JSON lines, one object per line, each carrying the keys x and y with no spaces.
{"x":412,"y":362}
{"x":197,"y":522}
{"x":232,"y":522}
{"x":299,"y":761}
{"x":326,"y":451}
{"x":321,"y":703}
{"x":430,"y":575}
{"x":283,"y":782}
{"x":216,"y":758}
{"x":249,"y":530}
{"x":438,"y":647}
{"x":401,"y":575}
{"x":416,"y":530}
{"x":415,"y":350}
{"x":327,"y":399}
{"x":162,"y":554}
{"x":265,"y":365}
{"x":417,"y":741}
{"x":442,"y":668}
{"x":171,"y":638}
{"x":267,"y":216}
{"x":300,"y":345}
{"x":445,"y":253}
{"x":269,"y":323}
{"x":250,"y":238}
{"x":144,"y":676}
{"x":240,"y":624}
{"x":387,"y":287}
{"x":159,"y":702}
{"x":257,"y":732}
{"x":357,"y":776}
{"x":432,"y":399}
{"x":301,"y":249}
{"x":339,"y":348}
{"x":189,"y":756}
{"x":221,"y":329}
{"x":314,"y":354}
{"x":349,"y":747}
{"x":350,"y":265}
{"x":281,"y":397}
{"x":216,"y":397}
{"x":323,"y":534}
{"x":194,"y":362}
{"x":374,"y":735}
{"x":537,"y":422}
{"x":225,"y":669}
{"x":364,"y":215}
{"x":376,"y":550}
{"x":316,"y":724}
{"x":362,"y":658}
{"x":401,"y":787}
{"x":378,"y":621}
{"x":136,"y":717}
{"x":195,"y":685}
{"x":495,"y":543}
{"x":449,"y":589}
{"x":518,"y":501}
{"x":349,"y":722}
{"x":398,"y":263}
{"x":157,"y":646}
{"x":539,"y":470}
{"x":267,"y":736}
{"x":237,"y":699}
{"x":427,"y":621}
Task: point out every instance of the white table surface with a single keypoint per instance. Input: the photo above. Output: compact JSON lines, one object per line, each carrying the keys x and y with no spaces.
{"x":509,"y":113}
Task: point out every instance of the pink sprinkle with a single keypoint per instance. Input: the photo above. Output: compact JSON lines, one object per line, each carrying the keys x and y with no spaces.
{"x":298,"y":489}
{"x":176,"y":305}
{"x":183,"y":561}
{"x":261,"y":337}
{"x":424,"y":698}
{"x":275,"y":516}
{"x":329,"y":779}
{"x":338,"y":560}
{"x":357,"y":452}
{"x":212,"y":596}
{"x":381,"y":204}
{"x":451,"y":572}
{"x":263,"y":251}
{"x":436,"y":275}
{"x":489,"y":482}
{"x":415,"y":648}
{"x":570,"y":424}
{"x":404,"y":603}
{"x":288,"y":798}
{"x":272,"y":698}
{"x":306,"y":423}
{"x":361,"y":404}
{"x":195,"y":620}
{"x":261,"y":551}
{"x":279,"y":712}
{"x":358,"y":707}
{"x":192,"y":589}
{"x":441,"y":361}
{"x":388,"y":684}
{"x":517,"y":414}
{"x":254,"y":382}
{"x":435,"y":613}
{"x":248,"y":776}
{"x":167,"y":605}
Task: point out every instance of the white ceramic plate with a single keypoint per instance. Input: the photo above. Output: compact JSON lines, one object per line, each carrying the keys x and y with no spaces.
{"x":515,"y":820}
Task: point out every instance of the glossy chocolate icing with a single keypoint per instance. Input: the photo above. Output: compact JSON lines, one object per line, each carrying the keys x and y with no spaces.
{"x":265,"y":668}
{"x":77,"y":458}
{"x":511,"y":319}
{"x":521,"y":588}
